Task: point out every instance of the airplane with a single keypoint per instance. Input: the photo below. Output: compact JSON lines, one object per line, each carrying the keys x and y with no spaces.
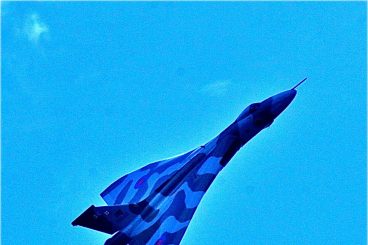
{"x":154,"y":204}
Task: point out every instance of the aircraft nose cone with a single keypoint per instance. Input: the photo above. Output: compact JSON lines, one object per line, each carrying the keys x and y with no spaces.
{"x":281,"y":101}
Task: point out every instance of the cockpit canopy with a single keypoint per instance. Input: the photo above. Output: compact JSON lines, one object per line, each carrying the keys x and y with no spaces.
{"x":249,"y":110}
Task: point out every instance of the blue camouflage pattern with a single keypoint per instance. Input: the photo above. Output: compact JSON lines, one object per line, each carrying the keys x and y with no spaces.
{"x":154,"y":204}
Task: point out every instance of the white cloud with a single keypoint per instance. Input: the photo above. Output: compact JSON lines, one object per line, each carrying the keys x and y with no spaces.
{"x":217,"y":88}
{"x":34,"y":28}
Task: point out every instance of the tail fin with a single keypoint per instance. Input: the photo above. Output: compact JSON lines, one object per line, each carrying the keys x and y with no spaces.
{"x":108,"y":219}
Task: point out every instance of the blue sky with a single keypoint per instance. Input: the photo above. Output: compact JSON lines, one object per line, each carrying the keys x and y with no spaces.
{"x":91,"y":91}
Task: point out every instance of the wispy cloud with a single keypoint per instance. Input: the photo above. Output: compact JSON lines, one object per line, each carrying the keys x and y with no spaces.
{"x":34,"y":28}
{"x":217,"y":88}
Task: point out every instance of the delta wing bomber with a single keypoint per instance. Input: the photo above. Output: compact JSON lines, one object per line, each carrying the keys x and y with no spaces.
{"x":154,"y":204}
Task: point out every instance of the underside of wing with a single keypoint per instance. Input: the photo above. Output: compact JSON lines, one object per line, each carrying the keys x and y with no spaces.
{"x":168,"y":227}
{"x":136,"y":186}
{"x":174,"y":214}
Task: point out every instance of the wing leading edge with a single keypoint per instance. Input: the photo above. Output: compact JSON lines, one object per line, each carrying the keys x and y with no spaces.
{"x":167,"y":222}
{"x":160,"y":199}
{"x":137,"y":185}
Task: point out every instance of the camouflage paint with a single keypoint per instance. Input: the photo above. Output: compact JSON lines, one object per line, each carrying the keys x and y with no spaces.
{"x":154,"y":204}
